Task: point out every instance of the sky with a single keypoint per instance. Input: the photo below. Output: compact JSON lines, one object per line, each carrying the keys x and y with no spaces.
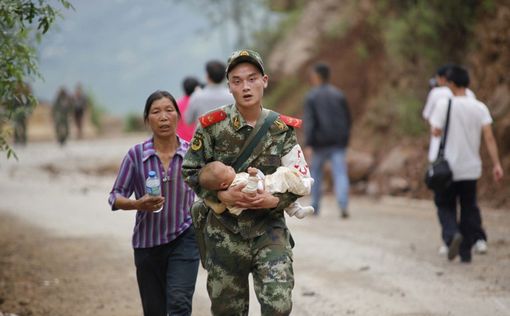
{"x":123,"y":50}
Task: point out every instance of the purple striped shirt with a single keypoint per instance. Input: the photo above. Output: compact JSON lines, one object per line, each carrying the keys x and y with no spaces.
{"x":153,"y":229}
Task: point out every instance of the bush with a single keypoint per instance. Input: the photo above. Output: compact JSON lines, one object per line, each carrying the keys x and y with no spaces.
{"x":134,"y":123}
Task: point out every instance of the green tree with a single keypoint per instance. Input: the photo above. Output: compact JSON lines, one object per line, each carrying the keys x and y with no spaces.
{"x":245,"y":16}
{"x":22,"y":25}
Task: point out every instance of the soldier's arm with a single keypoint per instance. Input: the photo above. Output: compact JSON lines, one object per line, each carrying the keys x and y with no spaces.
{"x":285,"y":199}
{"x":198,"y":155}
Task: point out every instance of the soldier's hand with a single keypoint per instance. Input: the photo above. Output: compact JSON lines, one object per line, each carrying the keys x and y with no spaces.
{"x":235,"y":196}
{"x":232,"y":195}
{"x":261,"y":200}
{"x":150,"y":203}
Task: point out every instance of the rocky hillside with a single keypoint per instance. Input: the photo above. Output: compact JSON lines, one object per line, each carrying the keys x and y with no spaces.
{"x":382,"y":55}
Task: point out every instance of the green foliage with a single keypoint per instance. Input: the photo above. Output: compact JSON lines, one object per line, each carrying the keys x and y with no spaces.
{"x":133,"y":122}
{"x":267,"y":38}
{"x":381,"y":116}
{"x":338,"y":29}
{"x":280,"y":91}
{"x":410,"y":122}
{"x":418,"y":36}
{"x":431,"y":31}
{"x":22,"y":23}
{"x":243,"y":14}
{"x":413,"y":35}
{"x":4,"y":146}
{"x":362,"y":50}
{"x":397,"y":113}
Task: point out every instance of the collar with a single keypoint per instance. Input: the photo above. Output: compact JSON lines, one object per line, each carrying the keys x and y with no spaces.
{"x":148,"y":148}
{"x":237,"y":120}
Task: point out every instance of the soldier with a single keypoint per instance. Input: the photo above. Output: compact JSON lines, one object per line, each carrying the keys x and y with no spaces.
{"x":60,"y":112}
{"x":23,"y":109}
{"x":80,"y":104}
{"x":258,"y":240}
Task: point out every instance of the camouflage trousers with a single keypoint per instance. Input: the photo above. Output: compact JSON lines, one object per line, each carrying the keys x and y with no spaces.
{"x":231,"y":258}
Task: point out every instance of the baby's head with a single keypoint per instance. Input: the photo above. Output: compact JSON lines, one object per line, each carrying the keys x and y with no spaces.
{"x":216,"y":176}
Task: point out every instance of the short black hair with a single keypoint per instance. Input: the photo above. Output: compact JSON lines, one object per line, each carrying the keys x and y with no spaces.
{"x":189,"y":85}
{"x":322,"y":70}
{"x":441,"y":71}
{"x":215,"y":70}
{"x":458,"y":75}
{"x":156,"y":95}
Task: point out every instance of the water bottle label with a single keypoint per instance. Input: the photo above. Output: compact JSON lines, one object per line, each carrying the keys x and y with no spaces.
{"x":153,"y":190}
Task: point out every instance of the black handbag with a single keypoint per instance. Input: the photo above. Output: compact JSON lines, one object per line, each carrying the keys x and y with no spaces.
{"x":439,"y":175}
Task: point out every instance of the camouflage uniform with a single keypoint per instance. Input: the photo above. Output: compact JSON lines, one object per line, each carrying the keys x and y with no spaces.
{"x":60,"y":113}
{"x":20,"y":121}
{"x":256,"y":241}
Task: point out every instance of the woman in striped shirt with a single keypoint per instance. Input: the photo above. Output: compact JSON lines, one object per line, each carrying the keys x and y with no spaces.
{"x":165,"y":249}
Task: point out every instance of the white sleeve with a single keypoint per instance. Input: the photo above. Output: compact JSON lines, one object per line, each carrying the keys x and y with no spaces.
{"x":485,"y":118}
{"x":296,"y":160}
{"x":435,"y":95}
{"x":427,"y":110}
{"x":438,"y":117}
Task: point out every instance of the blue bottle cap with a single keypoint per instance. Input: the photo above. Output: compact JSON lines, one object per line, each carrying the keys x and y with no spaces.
{"x":152,"y":173}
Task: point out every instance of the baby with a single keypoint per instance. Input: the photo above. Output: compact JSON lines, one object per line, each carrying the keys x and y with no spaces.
{"x":218,"y":176}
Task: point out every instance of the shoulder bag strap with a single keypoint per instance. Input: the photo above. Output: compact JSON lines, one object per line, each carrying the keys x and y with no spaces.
{"x":254,"y":138}
{"x":445,"y":130}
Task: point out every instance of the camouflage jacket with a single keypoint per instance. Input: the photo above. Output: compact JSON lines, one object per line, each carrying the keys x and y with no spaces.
{"x":222,"y":140}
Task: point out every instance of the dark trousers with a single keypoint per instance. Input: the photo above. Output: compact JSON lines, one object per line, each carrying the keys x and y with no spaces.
{"x":470,"y":224}
{"x":167,"y":274}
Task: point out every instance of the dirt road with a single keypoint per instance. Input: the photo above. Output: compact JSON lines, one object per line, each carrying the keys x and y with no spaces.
{"x":62,"y":252}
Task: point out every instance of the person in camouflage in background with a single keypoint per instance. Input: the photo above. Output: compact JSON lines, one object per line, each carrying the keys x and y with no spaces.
{"x":22,"y":111}
{"x":60,"y":112}
{"x":258,"y":240}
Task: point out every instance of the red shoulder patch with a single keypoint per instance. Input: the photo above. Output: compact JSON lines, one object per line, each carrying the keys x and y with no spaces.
{"x":212,"y":118}
{"x":291,"y":121}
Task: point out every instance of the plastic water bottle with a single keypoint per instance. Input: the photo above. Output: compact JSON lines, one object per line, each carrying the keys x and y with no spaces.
{"x":153,"y":186}
{"x":253,"y":182}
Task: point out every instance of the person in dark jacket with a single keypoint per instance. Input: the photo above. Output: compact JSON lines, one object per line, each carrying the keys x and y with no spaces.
{"x":327,"y":124}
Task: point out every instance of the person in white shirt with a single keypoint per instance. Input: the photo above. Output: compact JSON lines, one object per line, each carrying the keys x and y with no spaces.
{"x":469,"y":120}
{"x":441,"y":91}
{"x":438,"y":92}
{"x":212,"y":96}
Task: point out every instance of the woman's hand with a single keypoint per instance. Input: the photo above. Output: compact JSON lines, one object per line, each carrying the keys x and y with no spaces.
{"x":234,"y":196}
{"x":150,"y":203}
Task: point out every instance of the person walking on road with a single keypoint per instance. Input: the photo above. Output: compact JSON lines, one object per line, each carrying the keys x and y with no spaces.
{"x":212,"y":96}
{"x":442,"y":91}
{"x":165,"y":248}
{"x":80,"y":105}
{"x":184,"y":130}
{"x":327,"y":125}
{"x":469,"y":120}
{"x":22,"y":110}
{"x":258,"y":240}
{"x":60,"y":113}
